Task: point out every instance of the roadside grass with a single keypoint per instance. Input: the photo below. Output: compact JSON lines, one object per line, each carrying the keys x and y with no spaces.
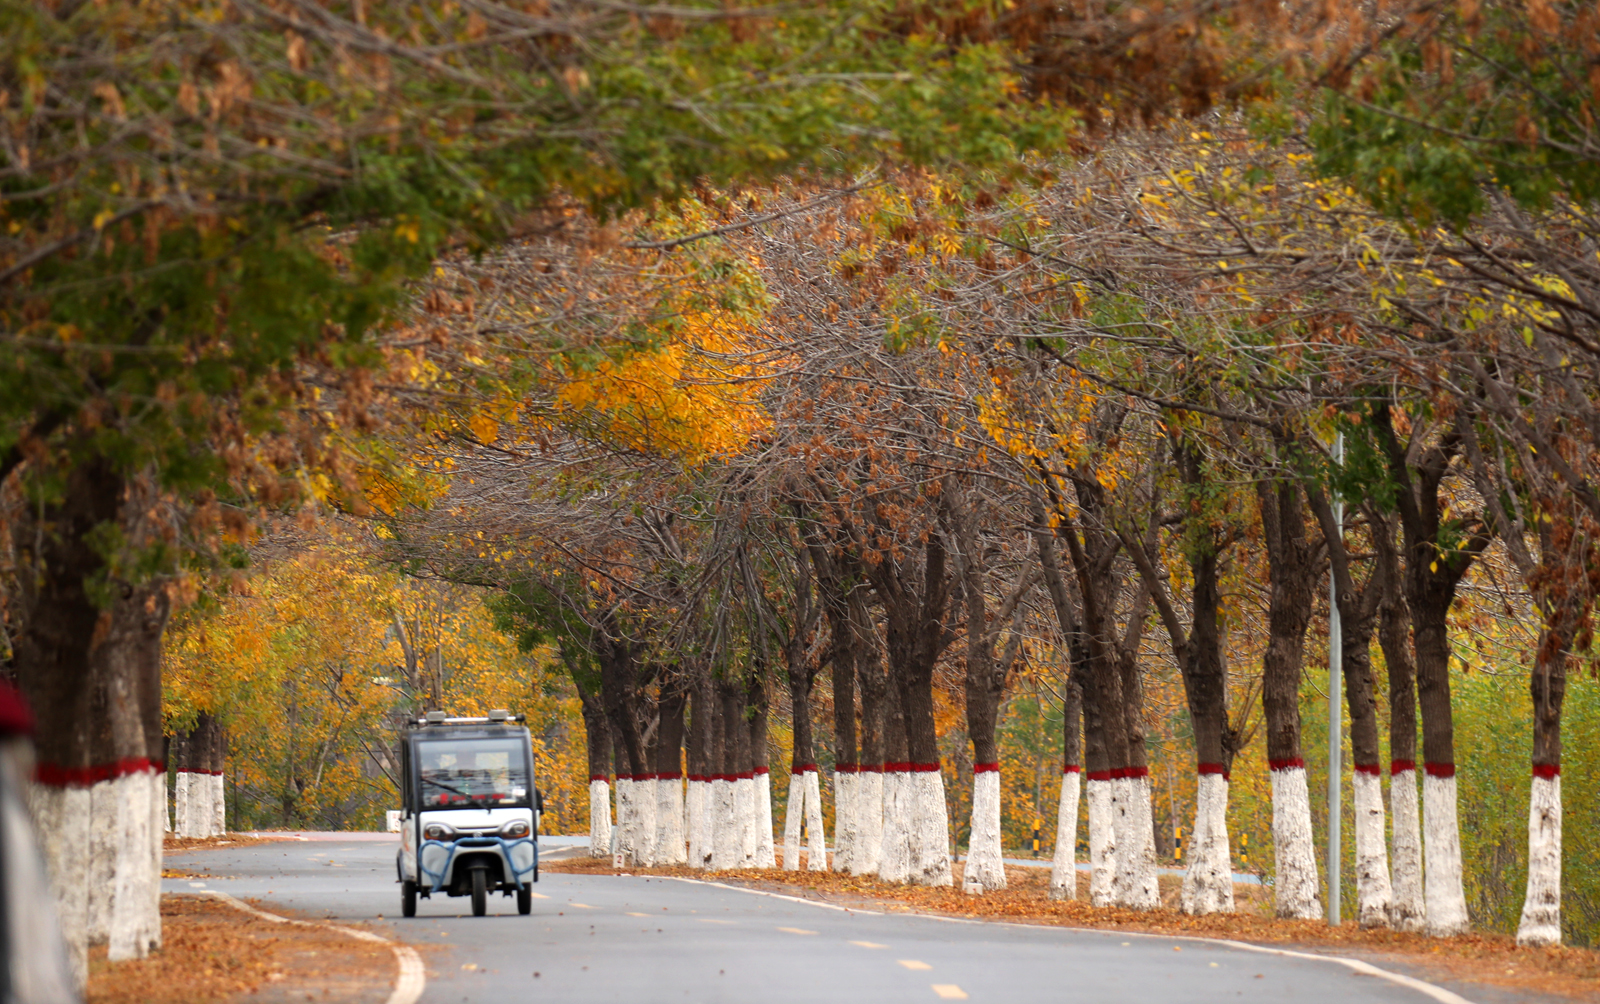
{"x":1493,"y":959}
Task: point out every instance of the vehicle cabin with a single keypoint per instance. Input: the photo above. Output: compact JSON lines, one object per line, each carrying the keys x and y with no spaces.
{"x":469,"y":810}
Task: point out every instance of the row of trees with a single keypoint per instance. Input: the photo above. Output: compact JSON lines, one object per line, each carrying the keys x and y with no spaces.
{"x":882,"y":422}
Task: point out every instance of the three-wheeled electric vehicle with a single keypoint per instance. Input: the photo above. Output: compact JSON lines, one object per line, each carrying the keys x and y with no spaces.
{"x":469,"y":811}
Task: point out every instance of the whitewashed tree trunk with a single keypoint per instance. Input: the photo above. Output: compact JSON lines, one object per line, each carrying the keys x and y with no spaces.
{"x":930,"y":848}
{"x":1208,"y":882}
{"x":627,"y":820}
{"x":180,"y":804}
{"x":794,"y":811}
{"x":669,"y":848}
{"x":744,"y":803}
{"x":1135,"y":886}
{"x":1064,"y":865}
{"x":166,"y":806}
{"x":1373,"y":894}
{"x":869,"y":821}
{"x":1443,"y":892}
{"x":104,"y":855}
{"x":1541,"y":908}
{"x":644,"y":808}
{"x":701,"y":824}
{"x":1407,"y":911}
{"x":40,"y":967}
{"x":1297,"y":893}
{"x":765,"y":856}
{"x":985,"y":870}
{"x":1102,"y":842}
{"x":599,"y":816}
{"x":219,"y":805}
{"x":725,"y":850}
{"x":845,"y":827}
{"x":816,"y":833}
{"x":63,"y":813}
{"x":894,"y":864}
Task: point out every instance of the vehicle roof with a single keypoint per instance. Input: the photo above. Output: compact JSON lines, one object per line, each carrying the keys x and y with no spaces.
{"x":467,"y":732}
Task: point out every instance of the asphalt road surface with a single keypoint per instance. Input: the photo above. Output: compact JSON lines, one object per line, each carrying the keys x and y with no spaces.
{"x":642,"y":940}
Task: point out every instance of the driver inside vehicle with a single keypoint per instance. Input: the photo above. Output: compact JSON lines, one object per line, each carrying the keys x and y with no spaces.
{"x":468,"y":773}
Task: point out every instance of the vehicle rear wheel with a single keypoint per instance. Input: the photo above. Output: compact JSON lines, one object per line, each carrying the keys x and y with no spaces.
{"x":480,"y":891}
{"x":408,"y":898}
{"x":525,"y":900}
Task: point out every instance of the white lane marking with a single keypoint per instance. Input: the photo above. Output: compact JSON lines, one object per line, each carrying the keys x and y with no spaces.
{"x":1439,"y":994}
{"x":409,"y":983}
{"x":795,"y":930}
{"x":949,"y":991}
{"x":913,"y":964}
{"x":868,"y":944}
{"x":197,"y":885}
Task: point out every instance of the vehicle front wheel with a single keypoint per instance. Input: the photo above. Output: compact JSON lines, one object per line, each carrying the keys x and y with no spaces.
{"x":525,"y":900}
{"x":408,"y":898}
{"x":480,"y":891}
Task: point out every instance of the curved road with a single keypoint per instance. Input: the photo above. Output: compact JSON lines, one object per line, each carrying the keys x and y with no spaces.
{"x":639,"y":940}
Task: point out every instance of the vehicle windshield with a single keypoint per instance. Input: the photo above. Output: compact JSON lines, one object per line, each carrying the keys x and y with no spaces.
{"x":458,"y":773}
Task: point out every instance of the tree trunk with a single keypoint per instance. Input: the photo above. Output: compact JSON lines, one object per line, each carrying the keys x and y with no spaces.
{"x":1407,"y":911}
{"x":914,"y":607}
{"x":1293,"y":570}
{"x":669,"y":835}
{"x":1064,"y":863}
{"x":702,"y":757}
{"x":756,"y":696}
{"x":1566,"y":591}
{"x":90,"y":666}
{"x":1358,"y":610}
{"x":874,"y":684}
{"x":597,"y":742}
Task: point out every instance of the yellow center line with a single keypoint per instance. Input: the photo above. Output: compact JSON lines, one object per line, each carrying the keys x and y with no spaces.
{"x":538,"y":895}
{"x":913,"y":964}
{"x":795,"y":930}
{"x":868,"y":944}
{"x":949,"y":991}
{"x":715,"y":920}
{"x":581,"y":906}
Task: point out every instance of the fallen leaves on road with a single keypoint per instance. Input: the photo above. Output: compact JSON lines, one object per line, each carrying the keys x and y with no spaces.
{"x":213,"y":952}
{"x":1482,"y":958}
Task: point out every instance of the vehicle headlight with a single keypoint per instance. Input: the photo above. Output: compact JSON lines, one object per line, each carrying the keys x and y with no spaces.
{"x":515,"y":828}
{"x":438,"y":831}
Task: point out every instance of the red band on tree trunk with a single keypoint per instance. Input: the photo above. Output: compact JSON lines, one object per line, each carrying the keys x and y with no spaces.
{"x":1439,"y":769}
{"x":745,"y":775}
{"x":599,"y":777}
{"x":1369,"y":768}
{"x":762,"y":770}
{"x":669,"y":775}
{"x":869,"y":768}
{"x":703,"y":779}
{"x":985,"y":768}
{"x":1071,"y":768}
{"x":1100,"y":775}
{"x":844,"y":768}
{"x":1213,"y":768}
{"x":801,"y":768}
{"x":1401,"y":766}
{"x":895,"y":768}
{"x":922,"y":768}
{"x":1135,"y":772}
{"x":1548,"y":771}
{"x":1289,"y":764}
{"x":82,"y":777}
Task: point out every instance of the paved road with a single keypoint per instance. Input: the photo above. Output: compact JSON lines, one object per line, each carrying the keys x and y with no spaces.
{"x":641,"y":940}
